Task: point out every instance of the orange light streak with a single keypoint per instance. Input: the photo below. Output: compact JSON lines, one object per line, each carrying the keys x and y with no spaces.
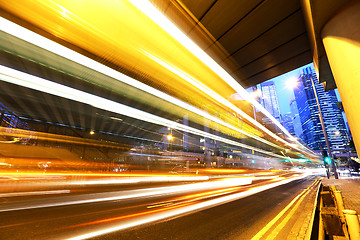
{"x":210,"y":193}
{"x":225,"y":170}
{"x":131,"y":215}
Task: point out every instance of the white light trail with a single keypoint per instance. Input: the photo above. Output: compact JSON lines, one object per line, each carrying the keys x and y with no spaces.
{"x":212,"y":94}
{"x":132,"y":194}
{"x":43,"y":85}
{"x":37,"y":40}
{"x":184,"y":210}
{"x":155,"y":15}
{"x":138,"y":180}
{"x":21,"y":194}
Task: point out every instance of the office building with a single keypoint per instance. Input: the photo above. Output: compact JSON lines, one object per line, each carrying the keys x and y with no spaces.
{"x":308,"y":110}
{"x":270,"y":99}
{"x":296,"y":120}
{"x":287,"y":122}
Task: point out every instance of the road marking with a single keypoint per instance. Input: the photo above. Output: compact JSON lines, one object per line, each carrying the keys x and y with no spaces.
{"x":276,"y":231}
{"x":262,"y":232}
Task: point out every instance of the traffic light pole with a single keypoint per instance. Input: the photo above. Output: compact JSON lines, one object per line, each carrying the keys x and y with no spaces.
{"x":324,"y":130}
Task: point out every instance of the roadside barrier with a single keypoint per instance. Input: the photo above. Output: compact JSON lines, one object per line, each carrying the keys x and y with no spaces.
{"x":331,"y":219}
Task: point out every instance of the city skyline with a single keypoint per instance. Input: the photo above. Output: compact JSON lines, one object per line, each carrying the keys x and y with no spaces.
{"x":287,"y":94}
{"x":282,"y":87}
{"x":290,"y":99}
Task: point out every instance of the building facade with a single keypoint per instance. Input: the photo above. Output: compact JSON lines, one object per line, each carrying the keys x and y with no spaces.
{"x":287,"y":122}
{"x":270,"y":99}
{"x":296,"y":120}
{"x":308,"y":110}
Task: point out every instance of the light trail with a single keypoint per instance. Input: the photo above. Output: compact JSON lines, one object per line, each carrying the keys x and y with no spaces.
{"x":37,"y":40}
{"x":133,"y":194}
{"x":165,"y":206}
{"x":138,"y":180}
{"x":212,"y":94}
{"x":155,"y":15}
{"x":21,"y":194}
{"x":43,"y":85}
{"x":182,"y":210}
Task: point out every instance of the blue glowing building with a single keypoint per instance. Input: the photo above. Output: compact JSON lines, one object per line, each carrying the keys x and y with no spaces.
{"x":308,"y":110}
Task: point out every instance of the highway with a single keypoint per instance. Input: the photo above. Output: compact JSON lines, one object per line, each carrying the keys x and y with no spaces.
{"x":227,"y":206}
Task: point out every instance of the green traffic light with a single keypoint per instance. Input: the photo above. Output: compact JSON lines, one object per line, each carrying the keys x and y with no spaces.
{"x":327,"y":160}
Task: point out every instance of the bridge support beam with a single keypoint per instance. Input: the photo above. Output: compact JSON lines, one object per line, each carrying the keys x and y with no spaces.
{"x":341,"y":39}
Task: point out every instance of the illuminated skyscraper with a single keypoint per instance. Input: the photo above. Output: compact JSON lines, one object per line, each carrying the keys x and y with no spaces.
{"x":309,"y":113}
{"x":270,"y":99}
{"x":296,"y":119}
{"x":287,"y":122}
{"x":270,"y":102}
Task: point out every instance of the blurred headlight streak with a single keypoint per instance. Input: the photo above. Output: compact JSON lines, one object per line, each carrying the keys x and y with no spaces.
{"x":28,"y":134}
{"x":211,"y":93}
{"x":60,"y":50}
{"x":131,"y":194}
{"x":39,"y":84}
{"x":18,"y":194}
{"x":49,"y":45}
{"x":107,"y":181}
{"x":138,"y":180}
{"x":183,"y":210}
{"x":154,"y":14}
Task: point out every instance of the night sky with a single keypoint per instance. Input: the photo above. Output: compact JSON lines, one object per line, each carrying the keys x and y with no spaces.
{"x":285,"y":93}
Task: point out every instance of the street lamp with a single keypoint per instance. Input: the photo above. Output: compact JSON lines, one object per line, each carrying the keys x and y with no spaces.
{"x":169,"y":137}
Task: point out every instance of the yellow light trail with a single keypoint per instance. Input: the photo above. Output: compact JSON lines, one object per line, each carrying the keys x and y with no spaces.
{"x":183,"y":210}
{"x":110,"y":72}
{"x":211,"y":93}
{"x":33,"y":82}
{"x":154,"y":14}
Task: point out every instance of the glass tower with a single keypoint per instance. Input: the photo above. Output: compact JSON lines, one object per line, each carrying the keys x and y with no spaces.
{"x":296,"y":119}
{"x":270,"y":99}
{"x":287,"y":122}
{"x":313,"y":134}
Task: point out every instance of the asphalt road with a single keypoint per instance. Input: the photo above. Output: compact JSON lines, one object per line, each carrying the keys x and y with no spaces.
{"x":240,"y":219}
{"x":236,"y":210}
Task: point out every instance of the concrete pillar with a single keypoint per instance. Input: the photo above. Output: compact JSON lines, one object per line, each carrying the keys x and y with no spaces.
{"x":352,"y":221}
{"x":341,"y":38}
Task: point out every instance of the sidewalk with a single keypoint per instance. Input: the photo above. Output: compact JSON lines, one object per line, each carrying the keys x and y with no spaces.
{"x":350,"y":191}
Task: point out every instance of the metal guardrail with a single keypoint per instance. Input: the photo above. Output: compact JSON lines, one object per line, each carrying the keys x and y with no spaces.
{"x":331,"y":220}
